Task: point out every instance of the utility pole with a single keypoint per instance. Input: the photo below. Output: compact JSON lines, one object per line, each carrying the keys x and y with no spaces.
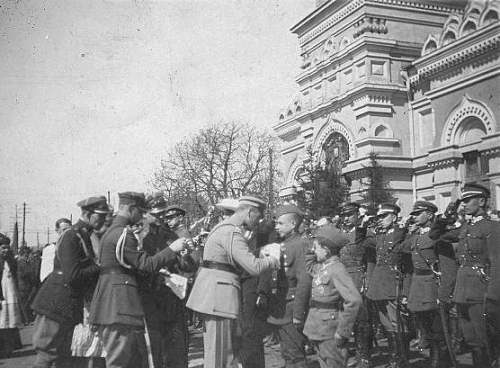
{"x":109,"y":197}
{"x":48,"y":235}
{"x":23,"y":243}
{"x":271,"y":176}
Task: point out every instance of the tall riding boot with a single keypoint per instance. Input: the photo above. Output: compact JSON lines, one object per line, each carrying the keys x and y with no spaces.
{"x":392,"y":341}
{"x":457,"y":339}
{"x":363,"y":346}
{"x":480,"y":357}
{"x":434,"y":354}
{"x":404,"y":351}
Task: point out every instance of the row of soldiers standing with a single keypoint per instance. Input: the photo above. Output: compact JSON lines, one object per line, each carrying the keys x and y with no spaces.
{"x":407,"y":279}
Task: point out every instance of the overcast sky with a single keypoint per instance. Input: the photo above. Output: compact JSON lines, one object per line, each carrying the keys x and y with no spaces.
{"x":92,"y":93}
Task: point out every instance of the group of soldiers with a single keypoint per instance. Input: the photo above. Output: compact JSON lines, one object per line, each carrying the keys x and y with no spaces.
{"x":435,"y":278}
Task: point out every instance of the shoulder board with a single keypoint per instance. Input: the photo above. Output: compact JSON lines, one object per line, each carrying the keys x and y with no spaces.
{"x":236,"y":229}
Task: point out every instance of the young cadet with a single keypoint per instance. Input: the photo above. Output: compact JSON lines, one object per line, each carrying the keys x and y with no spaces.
{"x":335,"y":299}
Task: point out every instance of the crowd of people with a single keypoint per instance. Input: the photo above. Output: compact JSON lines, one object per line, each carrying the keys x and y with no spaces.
{"x":336,"y":286}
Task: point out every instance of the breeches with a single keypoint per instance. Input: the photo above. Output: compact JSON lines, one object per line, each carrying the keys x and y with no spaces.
{"x":329,"y":355}
{"x":52,"y":342}
{"x":125,"y":346}
{"x":473,"y":324}
{"x":388,"y":316}
{"x":429,"y":323}
{"x":292,"y":346}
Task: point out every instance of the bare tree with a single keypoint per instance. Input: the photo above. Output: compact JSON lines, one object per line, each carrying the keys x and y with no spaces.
{"x":222,"y":160}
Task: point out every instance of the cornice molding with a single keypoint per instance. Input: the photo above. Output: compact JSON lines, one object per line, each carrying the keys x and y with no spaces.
{"x":356,"y":4}
{"x":436,"y":62}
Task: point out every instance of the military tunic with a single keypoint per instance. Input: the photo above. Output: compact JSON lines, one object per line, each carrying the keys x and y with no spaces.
{"x":116,"y":305}
{"x":423,"y":292}
{"x":59,"y":302}
{"x":335,"y":302}
{"x":478,"y":275}
{"x":289,"y":299}
{"x":225,"y":256}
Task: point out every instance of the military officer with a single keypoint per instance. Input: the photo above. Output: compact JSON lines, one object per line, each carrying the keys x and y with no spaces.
{"x":423,"y":294}
{"x":477,"y":287}
{"x":335,"y":299}
{"x":385,"y":287}
{"x":59,"y":302}
{"x":216,"y":290}
{"x":290,"y":286}
{"x":116,"y":309}
{"x":175,"y":329}
{"x":354,"y":257}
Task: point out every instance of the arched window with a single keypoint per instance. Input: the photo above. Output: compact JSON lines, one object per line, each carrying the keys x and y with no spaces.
{"x":381,"y":131}
{"x":429,"y":47}
{"x":468,"y":28}
{"x":335,"y":152}
{"x":470,"y":130}
{"x":448,"y":38}
{"x":490,"y":17}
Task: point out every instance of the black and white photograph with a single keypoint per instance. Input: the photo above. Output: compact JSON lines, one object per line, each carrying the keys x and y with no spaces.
{"x":250,"y":183}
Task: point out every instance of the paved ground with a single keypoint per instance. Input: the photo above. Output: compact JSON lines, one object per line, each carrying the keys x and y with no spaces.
{"x":24,"y":357}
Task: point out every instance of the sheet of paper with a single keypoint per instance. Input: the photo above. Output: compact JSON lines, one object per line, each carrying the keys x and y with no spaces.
{"x":176,"y":282}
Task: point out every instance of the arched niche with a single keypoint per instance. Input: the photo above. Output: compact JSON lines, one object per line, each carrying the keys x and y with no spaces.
{"x":329,"y":127}
{"x":467,"y":108}
{"x":470,"y":130}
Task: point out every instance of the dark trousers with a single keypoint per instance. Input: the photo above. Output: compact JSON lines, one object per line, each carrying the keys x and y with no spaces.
{"x":329,"y":355}
{"x":175,"y":342}
{"x":473,"y":324}
{"x":52,"y":343}
{"x":429,"y":323}
{"x":292,"y":346}
{"x":125,"y":346}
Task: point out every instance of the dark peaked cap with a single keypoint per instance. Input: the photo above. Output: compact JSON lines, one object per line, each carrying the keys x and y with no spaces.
{"x":133,"y":199}
{"x":289,"y":208}
{"x":331,"y":237}
{"x":474,"y":190}
{"x":385,"y":208}
{"x":97,"y":204}
{"x":157,"y":204}
{"x":420,"y":206}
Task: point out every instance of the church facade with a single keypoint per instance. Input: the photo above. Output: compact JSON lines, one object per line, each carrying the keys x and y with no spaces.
{"x":414,"y":81}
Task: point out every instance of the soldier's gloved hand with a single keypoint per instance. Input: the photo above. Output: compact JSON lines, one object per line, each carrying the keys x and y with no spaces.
{"x":262,"y":301}
{"x":178,"y":245}
{"x":340,"y":341}
{"x":299,"y":325}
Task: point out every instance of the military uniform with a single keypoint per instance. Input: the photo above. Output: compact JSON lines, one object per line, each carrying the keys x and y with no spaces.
{"x":59,"y":302}
{"x":383,"y":285}
{"x":290,"y":291}
{"x":478,"y":278}
{"x":116,"y":307}
{"x":225,"y":256}
{"x":423,"y":295}
{"x":354,"y":255}
{"x":334,"y":304}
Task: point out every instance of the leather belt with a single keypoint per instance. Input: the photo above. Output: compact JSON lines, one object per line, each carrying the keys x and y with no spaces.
{"x":112,"y":271}
{"x":324,"y":305}
{"x":213,"y":265}
{"x":422,"y":272}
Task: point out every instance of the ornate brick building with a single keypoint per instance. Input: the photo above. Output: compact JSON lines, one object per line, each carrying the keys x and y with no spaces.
{"x":414,"y":81}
